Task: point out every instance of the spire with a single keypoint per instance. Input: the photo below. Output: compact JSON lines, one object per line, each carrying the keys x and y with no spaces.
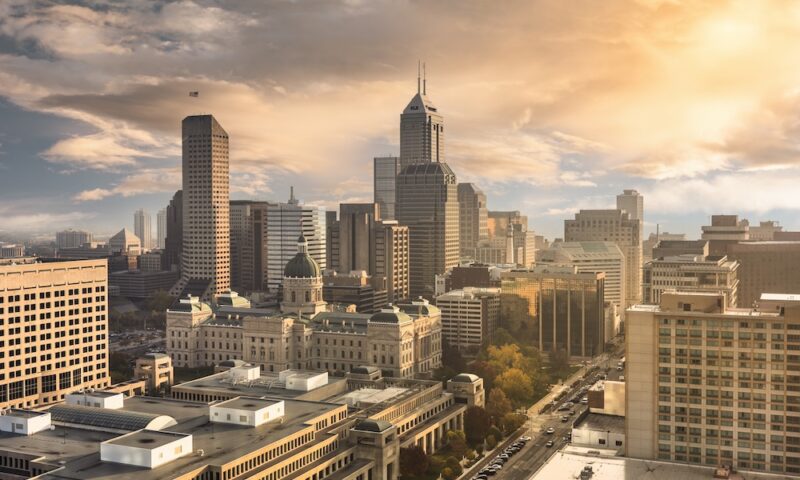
{"x":292,"y":200}
{"x":424,"y":80}
{"x":418,"y":76}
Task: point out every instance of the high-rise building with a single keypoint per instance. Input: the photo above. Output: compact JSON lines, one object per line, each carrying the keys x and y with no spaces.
{"x":356,"y":230}
{"x":713,"y":385}
{"x":72,"y":238}
{"x":143,"y":228}
{"x":385,"y":170}
{"x":332,"y":239}
{"x":765,"y":267}
{"x":473,"y":217}
{"x":421,"y":130}
{"x":559,"y":308}
{"x":470,"y":317}
{"x":11,"y":250}
{"x":63,"y":346}
{"x":725,"y":230}
{"x":632,"y":202}
{"x":613,"y":226}
{"x":161,"y":228}
{"x":248,"y":245}
{"x":206,"y":259}
{"x":690,"y":273}
{"x":649,"y":244}
{"x":285,"y":222}
{"x":427,"y":202}
{"x":173,"y":243}
{"x":390,"y":258}
{"x":603,"y":257}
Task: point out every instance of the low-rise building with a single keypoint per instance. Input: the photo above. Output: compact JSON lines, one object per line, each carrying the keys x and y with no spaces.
{"x":141,"y":284}
{"x":368,"y":294}
{"x":156,"y":369}
{"x":470,"y":316}
{"x":690,"y":273}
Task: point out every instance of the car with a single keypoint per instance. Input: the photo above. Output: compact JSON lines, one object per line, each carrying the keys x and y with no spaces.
{"x":572,"y":412}
{"x":525,"y":438}
{"x":550,"y":431}
{"x":549,"y":444}
{"x":584,"y":400}
{"x":564,"y":419}
{"x":563,"y":407}
{"x":504,"y":456}
{"x":570,"y":404}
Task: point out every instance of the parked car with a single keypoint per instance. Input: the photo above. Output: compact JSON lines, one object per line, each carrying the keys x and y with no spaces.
{"x":564,"y":419}
{"x":549,"y":444}
{"x":550,"y":431}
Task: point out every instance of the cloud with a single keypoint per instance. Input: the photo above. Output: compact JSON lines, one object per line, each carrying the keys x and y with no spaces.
{"x":141,"y":182}
{"x":92,"y":195}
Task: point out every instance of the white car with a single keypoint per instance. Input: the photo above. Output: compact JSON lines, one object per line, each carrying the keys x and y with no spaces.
{"x":550,"y":431}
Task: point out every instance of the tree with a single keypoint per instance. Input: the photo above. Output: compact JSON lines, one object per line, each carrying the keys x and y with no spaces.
{"x":517,"y":386}
{"x":498,"y":404}
{"x":413,"y":461}
{"x":476,"y":424}
{"x":491,"y":441}
{"x":448,"y":474}
{"x":457,"y":442}
{"x":159,"y":301}
{"x":511,"y":422}
{"x":559,"y":361}
{"x":455,"y":465}
{"x":451,"y":357}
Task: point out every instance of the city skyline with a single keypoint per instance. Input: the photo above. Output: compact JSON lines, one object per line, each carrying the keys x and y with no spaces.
{"x":86,"y":151}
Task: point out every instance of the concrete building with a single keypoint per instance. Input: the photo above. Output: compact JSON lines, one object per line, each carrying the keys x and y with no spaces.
{"x":654,"y":238}
{"x":477,"y":275}
{"x":590,"y":257}
{"x":72,"y":238}
{"x":559,"y":307}
{"x":161,"y":228}
{"x":385,"y":170}
{"x":285,"y":222}
{"x":470,"y":317}
{"x":712,"y":385}
{"x":11,"y":250}
{"x":156,"y":370}
{"x":125,"y":243}
{"x":427,"y":203}
{"x":404,"y":341}
{"x":725,"y":230}
{"x":248,"y":245}
{"x":765,"y":231}
{"x":674,"y":248}
{"x":595,"y":430}
{"x":368,"y":294}
{"x":143,"y":228}
{"x":205,"y":255}
{"x":632,"y":202}
{"x":356,"y":229}
{"x":53,"y":327}
{"x":151,"y":262}
{"x":613,"y":226}
{"x":473,"y":217}
{"x":173,"y":243}
{"x":690,"y":273}
{"x":140,"y":283}
{"x":421,"y":131}
{"x":390,"y":253}
{"x":765,"y":267}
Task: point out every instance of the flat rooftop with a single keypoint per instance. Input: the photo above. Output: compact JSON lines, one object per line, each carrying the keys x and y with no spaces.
{"x":247,"y":403}
{"x":571,"y":460}
{"x":147,"y":439}
{"x":20,"y":413}
{"x":599,"y":422}
{"x":266,"y":385}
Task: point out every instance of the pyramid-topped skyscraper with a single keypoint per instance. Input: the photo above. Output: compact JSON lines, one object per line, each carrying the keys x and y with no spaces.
{"x":421,"y":130}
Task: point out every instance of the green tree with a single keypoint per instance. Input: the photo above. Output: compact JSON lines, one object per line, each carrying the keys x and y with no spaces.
{"x":476,"y":424}
{"x":491,"y":441}
{"x":498,"y":404}
{"x":451,"y":357}
{"x":517,"y":386}
{"x":159,"y":301}
{"x":448,"y":474}
{"x":454,"y":464}
{"x":413,"y":461}
{"x":511,"y":422}
{"x":457,"y":442}
{"x":496,"y":433}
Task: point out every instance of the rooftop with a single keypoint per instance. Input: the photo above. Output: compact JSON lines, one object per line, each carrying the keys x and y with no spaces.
{"x":252,"y":404}
{"x":602,"y":423}
{"x":147,"y":439}
{"x":266,"y":385}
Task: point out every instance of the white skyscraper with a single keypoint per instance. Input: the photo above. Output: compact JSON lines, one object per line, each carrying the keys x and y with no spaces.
{"x":161,"y":228}
{"x":143,"y":228}
{"x":206,"y":257}
{"x":285,"y":222}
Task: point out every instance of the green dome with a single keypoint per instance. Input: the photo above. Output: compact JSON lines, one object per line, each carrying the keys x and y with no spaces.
{"x":302,"y":266}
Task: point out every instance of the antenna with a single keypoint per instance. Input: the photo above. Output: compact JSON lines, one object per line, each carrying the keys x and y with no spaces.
{"x":424,"y":80}
{"x":418,"y":75}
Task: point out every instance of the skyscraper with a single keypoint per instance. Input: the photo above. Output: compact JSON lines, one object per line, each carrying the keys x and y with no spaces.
{"x":161,"y":228}
{"x":618,"y":227}
{"x":473,"y":216}
{"x":385,"y":170}
{"x":427,"y":202}
{"x":285,"y":223}
{"x":356,"y":230}
{"x":143,"y":228}
{"x":248,"y":245}
{"x":421,"y":130}
{"x":72,"y":238}
{"x":206,"y":260}
{"x":173,"y":243}
{"x":632,"y":202}
{"x":390,"y":258}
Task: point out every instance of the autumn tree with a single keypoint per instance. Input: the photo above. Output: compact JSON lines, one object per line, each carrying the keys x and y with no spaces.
{"x":413,"y":461}
{"x":517,"y":386}
{"x":498,"y":404}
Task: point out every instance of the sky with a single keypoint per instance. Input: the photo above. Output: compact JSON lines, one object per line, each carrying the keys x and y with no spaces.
{"x":549,"y":106}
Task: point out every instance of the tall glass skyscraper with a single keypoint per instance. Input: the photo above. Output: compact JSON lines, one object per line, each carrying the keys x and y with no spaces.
{"x":385,"y":178}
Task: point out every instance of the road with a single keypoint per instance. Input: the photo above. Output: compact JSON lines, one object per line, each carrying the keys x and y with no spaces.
{"x":527,"y":461}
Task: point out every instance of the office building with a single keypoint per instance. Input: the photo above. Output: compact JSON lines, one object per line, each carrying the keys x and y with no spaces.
{"x":470,"y":317}
{"x":285,"y":222}
{"x":725,"y":230}
{"x":765,"y":231}
{"x":558,"y":308}
{"x":654,"y":238}
{"x":141,"y":284}
{"x":674,"y":248}
{"x":332,"y":239}
{"x":248,"y":245}
{"x":156,"y":369}
{"x":421,"y":131}
{"x":294,"y":425}
{"x":11,"y":250}
{"x":205,"y":255}
{"x":151,"y":262}
{"x":590,"y":257}
{"x":632,"y":202}
{"x":173,"y":243}
{"x":390,"y":253}
{"x":713,"y":385}
{"x":53,"y":327}
{"x":613,"y":226}
{"x":72,"y":238}
{"x":356,"y":288}
{"x":427,"y":203}
{"x":143,"y":228}
{"x":161,"y":228}
{"x":476,"y":275}
{"x":508,"y":230}
{"x":385,"y":170}
{"x":125,"y":242}
{"x":356,"y":230}
{"x":765,"y":267}
{"x":690,"y":273}
{"x":473,"y":217}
